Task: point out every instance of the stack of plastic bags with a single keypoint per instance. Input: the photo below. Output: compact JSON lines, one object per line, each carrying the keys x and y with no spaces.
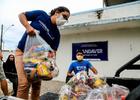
{"x":76,"y":88}
{"x":116,"y":92}
{"x":82,"y":87}
{"x":39,"y":59}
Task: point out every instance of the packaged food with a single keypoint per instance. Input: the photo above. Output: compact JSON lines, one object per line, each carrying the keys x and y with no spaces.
{"x":39,"y":59}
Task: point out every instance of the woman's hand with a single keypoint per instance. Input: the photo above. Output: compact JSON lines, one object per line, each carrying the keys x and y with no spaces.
{"x":30,"y":30}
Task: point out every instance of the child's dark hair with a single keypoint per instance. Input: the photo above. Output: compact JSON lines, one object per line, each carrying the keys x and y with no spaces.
{"x":59,"y":10}
{"x":79,"y":51}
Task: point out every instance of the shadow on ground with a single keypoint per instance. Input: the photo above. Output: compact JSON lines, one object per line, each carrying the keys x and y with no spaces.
{"x":49,"y":96}
{"x":50,"y":90}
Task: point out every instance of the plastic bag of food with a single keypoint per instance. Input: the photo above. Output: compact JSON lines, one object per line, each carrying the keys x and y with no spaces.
{"x":39,"y":59}
{"x":101,"y":93}
{"x":96,"y":82}
{"x":119,"y":91}
{"x":95,"y":94}
{"x":76,"y":88}
{"x":80,"y":91}
{"x":65,"y":92}
{"x":80,"y":77}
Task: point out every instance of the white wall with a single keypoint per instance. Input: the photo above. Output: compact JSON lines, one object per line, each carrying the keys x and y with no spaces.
{"x":123,"y":39}
{"x":123,"y":45}
{"x":117,"y":11}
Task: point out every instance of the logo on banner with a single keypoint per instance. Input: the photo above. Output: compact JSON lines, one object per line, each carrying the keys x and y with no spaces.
{"x":91,"y":50}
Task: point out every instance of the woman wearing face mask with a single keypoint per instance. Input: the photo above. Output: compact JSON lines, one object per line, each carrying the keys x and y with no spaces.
{"x":47,"y":26}
{"x":79,"y":65}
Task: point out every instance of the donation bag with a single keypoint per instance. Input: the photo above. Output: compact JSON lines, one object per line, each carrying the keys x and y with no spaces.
{"x":39,"y":59}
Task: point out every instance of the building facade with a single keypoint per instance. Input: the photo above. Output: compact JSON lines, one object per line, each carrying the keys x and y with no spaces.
{"x":119,"y":25}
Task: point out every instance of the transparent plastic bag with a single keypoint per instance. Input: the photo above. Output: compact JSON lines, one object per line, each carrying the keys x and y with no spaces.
{"x":95,"y":94}
{"x":102,"y":93}
{"x":76,"y":88}
{"x":119,"y":91}
{"x":39,"y":59}
{"x":79,"y":77}
{"x":65,"y":92}
{"x":116,"y":92}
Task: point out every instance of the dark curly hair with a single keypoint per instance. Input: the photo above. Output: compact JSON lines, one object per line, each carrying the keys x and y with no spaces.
{"x":59,"y":10}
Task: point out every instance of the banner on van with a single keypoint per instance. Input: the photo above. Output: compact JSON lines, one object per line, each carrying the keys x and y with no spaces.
{"x":92,"y":50}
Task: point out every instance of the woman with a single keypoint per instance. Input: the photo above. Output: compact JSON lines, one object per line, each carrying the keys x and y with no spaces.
{"x":10,"y":71}
{"x":48,"y":27}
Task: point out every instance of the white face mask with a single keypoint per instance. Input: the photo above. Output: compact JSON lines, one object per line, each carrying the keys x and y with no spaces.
{"x":79,"y":57}
{"x":60,"y":21}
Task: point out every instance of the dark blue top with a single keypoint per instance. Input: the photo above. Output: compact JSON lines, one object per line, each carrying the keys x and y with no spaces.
{"x":41,"y":21}
{"x":77,"y":66}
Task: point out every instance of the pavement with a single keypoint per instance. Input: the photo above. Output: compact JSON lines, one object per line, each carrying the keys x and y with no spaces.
{"x":50,"y":90}
{"x":51,"y":86}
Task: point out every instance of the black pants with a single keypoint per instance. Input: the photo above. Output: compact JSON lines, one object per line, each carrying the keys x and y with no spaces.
{"x":14,"y":80}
